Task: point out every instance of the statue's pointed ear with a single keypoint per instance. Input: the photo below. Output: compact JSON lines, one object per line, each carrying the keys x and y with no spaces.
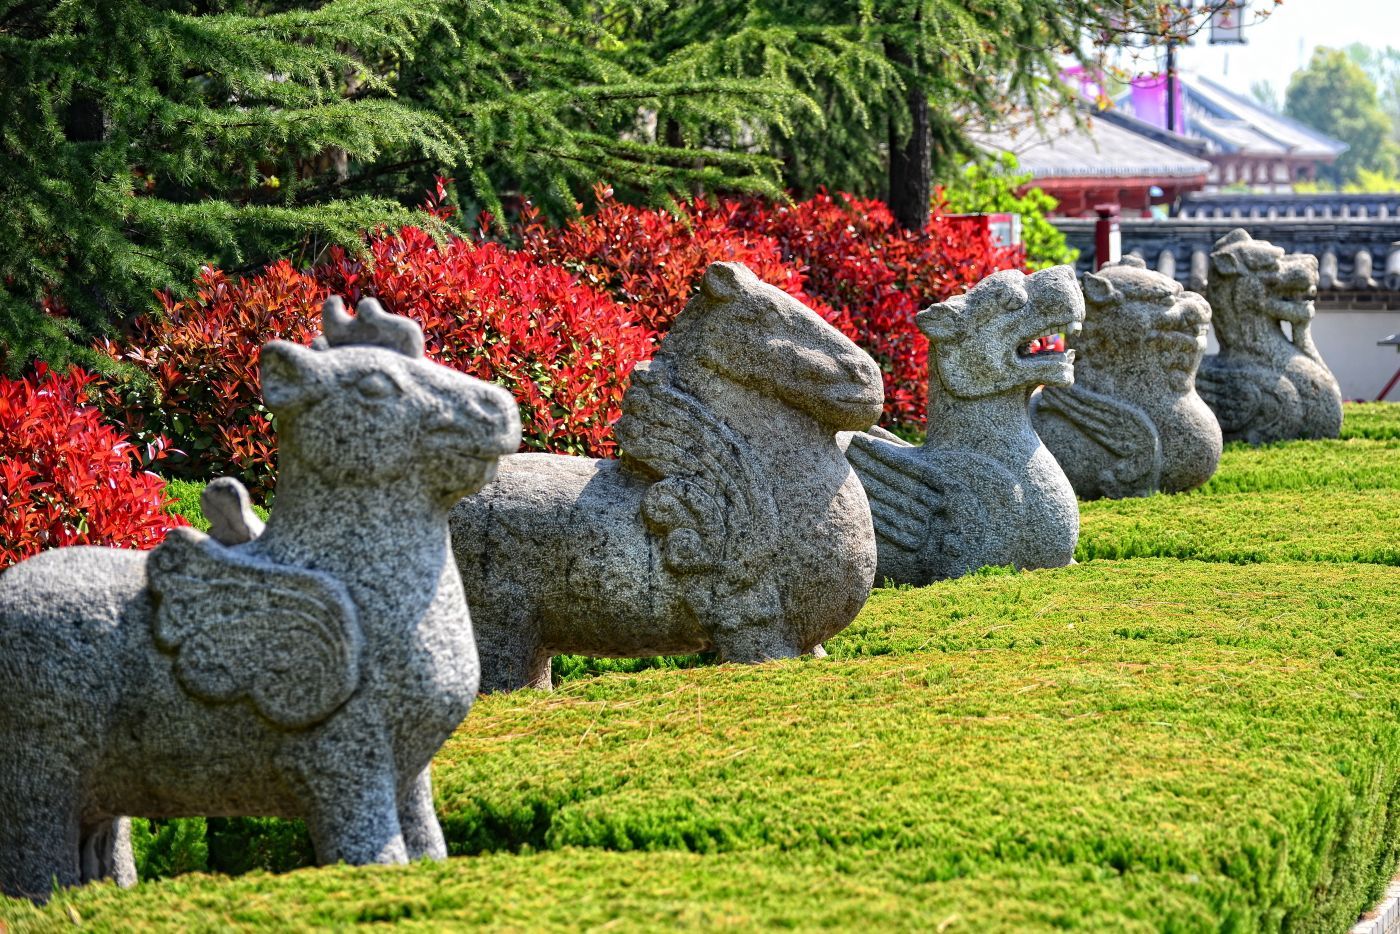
{"x":290,"y":375}
{"x":1098,"y":289}
{"x":723,"y":281}
{"x":942,"y":321}
{"x":1227,"y":264}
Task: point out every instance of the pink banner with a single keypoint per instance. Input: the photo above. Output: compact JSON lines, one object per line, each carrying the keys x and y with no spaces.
{"x":1149,"y":99}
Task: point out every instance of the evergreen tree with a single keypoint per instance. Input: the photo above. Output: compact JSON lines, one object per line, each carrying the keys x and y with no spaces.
{"x":886,"y":90}
{"x":139,"y":140}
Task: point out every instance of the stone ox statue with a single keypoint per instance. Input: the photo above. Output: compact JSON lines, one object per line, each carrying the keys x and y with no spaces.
{"x":731,"y":524}
{"x":1132,"y":423}
{"x":1264,"y":385}
{"x":981,"y":490}
{"x":311,"y":671}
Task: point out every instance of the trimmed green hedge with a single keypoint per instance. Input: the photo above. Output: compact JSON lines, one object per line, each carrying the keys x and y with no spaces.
{"x":1302,"y":525}
{"x":1379,"y":421}
{"x":572,"y":890}
{"x":1115,"y":738}
{"x":1154,"y":744}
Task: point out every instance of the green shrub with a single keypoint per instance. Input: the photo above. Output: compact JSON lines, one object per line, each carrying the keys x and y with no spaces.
{"x":168,"y":848}
{"x":1100,"y":747}
{"x":1378,"y":421}
{"x":1154,"y":744}
{"x":991,"y":187}
{"x":243,"y":844}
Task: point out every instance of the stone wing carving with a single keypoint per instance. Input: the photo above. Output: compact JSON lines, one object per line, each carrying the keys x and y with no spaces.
{"x":286,"y":638}
{"x":934,"y":504}
{"x":1243,"y":400}
{"x":1120,"y":428}
{"x":712,"y":506}
{"x":905,"y":494}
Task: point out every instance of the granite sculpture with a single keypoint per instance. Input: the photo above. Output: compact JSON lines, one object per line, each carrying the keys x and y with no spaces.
{"x":982,"y":489}
{"x":732,"y":523}
{"x":1132,"y":423}
{"x":310,"y":669}
{"x":1266,"y":385}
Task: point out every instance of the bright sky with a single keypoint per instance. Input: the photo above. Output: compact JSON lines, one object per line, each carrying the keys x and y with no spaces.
{"x":1284,"y":42}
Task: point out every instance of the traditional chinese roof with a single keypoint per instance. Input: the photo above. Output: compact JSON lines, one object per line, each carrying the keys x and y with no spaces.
{"x":1116,"y":147}
{"x":1232,"y":124}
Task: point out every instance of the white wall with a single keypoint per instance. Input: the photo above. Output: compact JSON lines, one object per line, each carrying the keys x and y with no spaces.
{"x":1346,"y":338}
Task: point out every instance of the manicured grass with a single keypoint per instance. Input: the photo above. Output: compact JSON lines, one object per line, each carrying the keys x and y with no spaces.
{"x":1294,"y":501}
{"x":1303,"y":525}
{"x":1148,"y":745}
{"x":1378,"y":421}
{"x":1154,"y":744}
{"x":1349,"y":464}
{"x":184,"y":495}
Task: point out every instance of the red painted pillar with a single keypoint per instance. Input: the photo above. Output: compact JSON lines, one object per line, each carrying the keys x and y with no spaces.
{"x":1108,"y":240}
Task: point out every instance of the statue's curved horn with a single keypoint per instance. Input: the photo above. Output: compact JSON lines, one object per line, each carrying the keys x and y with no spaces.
{"x":372,"y":326}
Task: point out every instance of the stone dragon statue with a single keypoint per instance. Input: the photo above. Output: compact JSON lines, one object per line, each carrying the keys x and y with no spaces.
{"x":981,"y":489}
{"x":310,"y":669}
{"x":731,"y":524}
{"x":1132,"y":423}
{"x":1266,"y":385}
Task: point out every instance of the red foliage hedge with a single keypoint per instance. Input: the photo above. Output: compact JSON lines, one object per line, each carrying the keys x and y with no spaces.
{"x":878,"y":276}
{"x":845,"y":257}
{"x":651,"y":260}
{"x":69,"y":478}
{"x":563,"y":348}
{"x":560,"y":321}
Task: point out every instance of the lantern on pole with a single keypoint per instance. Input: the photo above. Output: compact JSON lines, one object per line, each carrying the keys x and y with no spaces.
{"x":1227,"y":23}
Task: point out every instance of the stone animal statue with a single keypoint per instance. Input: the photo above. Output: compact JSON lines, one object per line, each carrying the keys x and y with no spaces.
{"x":731,"y":524}
{"x":982,"y":489}
{"x":309,"y":671}
{"x":1266,"y":385}
{"x":1132,"y":423}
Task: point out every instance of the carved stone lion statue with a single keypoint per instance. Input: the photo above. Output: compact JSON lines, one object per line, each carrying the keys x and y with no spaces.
{"x":732,"y":523}
{"x":982,"y":489}
{"x":1266,"y":385}
{"x":310,"y":669}
{"x":1132,"y":423}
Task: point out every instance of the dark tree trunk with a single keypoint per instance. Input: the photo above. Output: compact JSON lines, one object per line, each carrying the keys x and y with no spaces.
{"x":911,"y":187}
{"x":86,"y":121}
{"x":672,"y":135}
{"x":911,"y":184}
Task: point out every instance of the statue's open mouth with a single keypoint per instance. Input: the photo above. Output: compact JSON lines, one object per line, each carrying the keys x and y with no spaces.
{"x":1050,"y":346}
{"x":1041,"y":346}
{"x":1293,"y":305}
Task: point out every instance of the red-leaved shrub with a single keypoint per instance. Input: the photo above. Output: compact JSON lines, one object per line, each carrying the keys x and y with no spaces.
{"x":651,"y":260}
{"x":844,"y":256}
{"x":877,"y":277}
{"x":200,"y":367}
{"x":560,"y":322}
{"x":69,"y":478}
{"x":564,"y":349}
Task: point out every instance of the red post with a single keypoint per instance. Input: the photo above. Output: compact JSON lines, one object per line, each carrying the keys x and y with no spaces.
{"x":1108,"y":240}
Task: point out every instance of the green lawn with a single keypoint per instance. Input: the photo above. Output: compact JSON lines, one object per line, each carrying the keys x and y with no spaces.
{"x":1148,"y":743}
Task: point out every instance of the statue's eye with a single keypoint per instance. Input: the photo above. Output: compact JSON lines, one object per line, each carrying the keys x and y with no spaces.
{"x":376,"y":386}
{"x":1013,"y":301}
